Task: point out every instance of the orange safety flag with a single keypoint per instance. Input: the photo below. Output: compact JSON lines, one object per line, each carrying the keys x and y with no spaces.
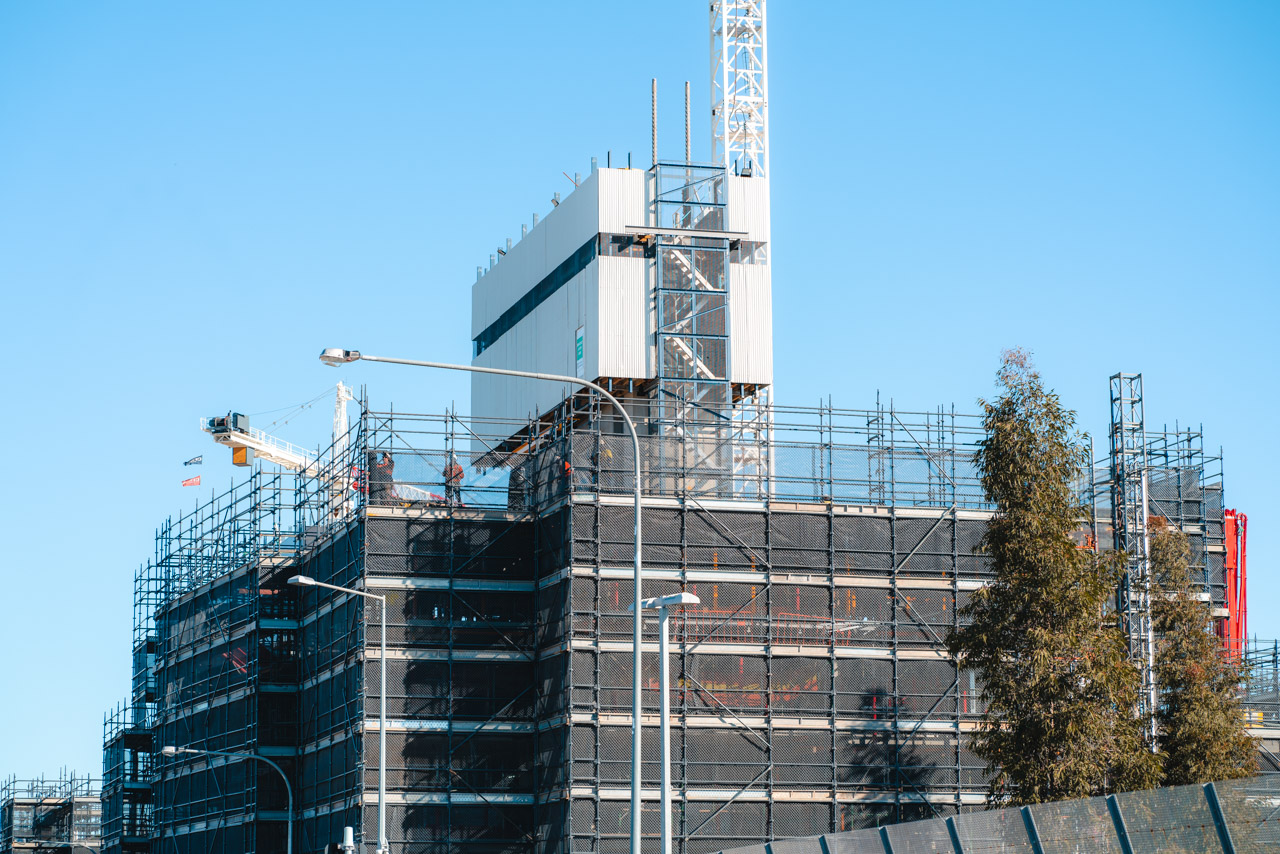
{"x":192,"y":481}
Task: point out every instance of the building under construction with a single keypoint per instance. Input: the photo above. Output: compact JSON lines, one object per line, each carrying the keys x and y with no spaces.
{"x":830,"y":550}
{"x":49,"y":814}
{"x":811,"y":689}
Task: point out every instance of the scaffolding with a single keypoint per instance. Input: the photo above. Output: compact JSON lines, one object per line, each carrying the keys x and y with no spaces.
{"x":812,"y":689}
{"x":831,"y":549}
{"x":49,"y":812}
{"x":215,"y":669}
{"x":128,"y":755}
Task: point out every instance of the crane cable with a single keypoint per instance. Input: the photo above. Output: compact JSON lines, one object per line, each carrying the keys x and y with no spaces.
{"x":293,"y":411}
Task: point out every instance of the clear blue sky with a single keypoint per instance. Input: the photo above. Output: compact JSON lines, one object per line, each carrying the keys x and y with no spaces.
{"x":195,"y":198}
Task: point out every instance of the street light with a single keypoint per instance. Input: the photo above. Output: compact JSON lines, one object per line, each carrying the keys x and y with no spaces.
{"x":664,"y":605}
{"x":335,"y":357}
{"x":307,"y":581}
{"x":174,"y":751}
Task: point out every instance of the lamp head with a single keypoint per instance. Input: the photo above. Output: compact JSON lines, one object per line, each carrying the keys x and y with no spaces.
{"x":303,"y":581}
{"x":673,"y":600}
{"x":169,"y":750}
{"x":333,"y":357}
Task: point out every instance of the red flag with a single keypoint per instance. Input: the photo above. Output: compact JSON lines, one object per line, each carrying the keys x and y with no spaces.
{"x":192,"y":481}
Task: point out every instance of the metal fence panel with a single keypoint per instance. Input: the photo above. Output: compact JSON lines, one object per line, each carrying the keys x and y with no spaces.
{"x":1175,"y":819}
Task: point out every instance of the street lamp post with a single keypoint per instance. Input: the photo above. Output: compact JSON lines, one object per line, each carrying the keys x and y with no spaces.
{"x":307,"y":581}
{"x":174,"y":751}
{"x":336,"y":357}
{"x":664,"y":605}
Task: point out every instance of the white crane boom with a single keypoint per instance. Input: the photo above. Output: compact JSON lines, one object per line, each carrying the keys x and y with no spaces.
{"x":233,"y":430}
{"x":249,"y":443}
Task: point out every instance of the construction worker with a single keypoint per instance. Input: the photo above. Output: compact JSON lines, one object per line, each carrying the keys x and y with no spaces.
{"x":453,"y":481}
{"x":381,"y":473}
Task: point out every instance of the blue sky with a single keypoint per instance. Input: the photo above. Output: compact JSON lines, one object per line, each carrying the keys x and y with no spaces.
{"x":196,"y":198}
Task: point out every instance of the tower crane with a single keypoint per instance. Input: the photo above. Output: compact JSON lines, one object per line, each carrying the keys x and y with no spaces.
{"x":249,"y":443}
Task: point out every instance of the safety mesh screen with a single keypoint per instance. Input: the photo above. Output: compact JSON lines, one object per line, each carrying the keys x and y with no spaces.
{"x":927,"y":760}
{"x":859,"y":842}
{"x":552,"y":764}
{"x":926,"y":687}
{"x":613,"y":755}
{"x":330,"y":772}
{"x":803,"y":759}
{"x":928,"y":837}
{"x":451,"y":545}
{"x":800,"y":819}
{"x":1176,"y":819}
{"x":719,"y":757}
{"x":734,"y":682}
{"x":737,"y":821}
{"x":464,"y":760}
{"x":553,"y":612}
{"x":925,"y":616}
{"x":801,"y":685}
{"x":612,"y":825}
{"x":461,"y":689}
{"x":993,"y":832}
{"x":1067,"y":826}
{"x":463,"y":618}
{"x":864,"y":687}
{"x":492,"y":828}
{"x":615,"y":685}
{"x":864,"y":758}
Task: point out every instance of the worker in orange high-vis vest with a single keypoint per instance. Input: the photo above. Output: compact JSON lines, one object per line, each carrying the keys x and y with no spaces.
{"x":453,"y":480}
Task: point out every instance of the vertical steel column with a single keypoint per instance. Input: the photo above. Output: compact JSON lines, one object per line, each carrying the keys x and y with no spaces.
{"x":664,"y":713}
{"x":1122,"y":832}
{"x":1129,"y":518}
{"x":954,"y":832}
{"x":1033,"y":832}
{"x":653,"y":121}
{"x":1219,"y":819}
{"x":1149,"y":638}
{"x":382,"y":733}
{"x":688,"y":147}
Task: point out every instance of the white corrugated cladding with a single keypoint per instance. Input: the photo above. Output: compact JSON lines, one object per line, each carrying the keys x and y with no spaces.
{"x":750,"y":324}
{"x":622,"y":333}
{"x":607,"y":201}
{"x":545,"y":341}
{"x":610,"y":299}
{"x":548,"y":244}
{"x":750,"y":285}
{"x":748,"y":200}
{"x":624,"y":328}
{"x":622,"y":199}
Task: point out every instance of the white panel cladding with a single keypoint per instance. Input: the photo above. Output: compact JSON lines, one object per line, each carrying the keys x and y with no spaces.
{"x":622,"y":199}
{"x":624,"y":331}
{"x":748,"y":211}
{"x":750,"y":323}
{"x":545,"y":342}
{"x":545,"y":247}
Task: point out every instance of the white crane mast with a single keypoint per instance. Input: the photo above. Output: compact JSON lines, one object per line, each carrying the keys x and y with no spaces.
{"x":340,"y":424}
{"x":739,"y":87}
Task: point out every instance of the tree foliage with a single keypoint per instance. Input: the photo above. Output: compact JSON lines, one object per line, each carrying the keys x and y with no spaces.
{"x":1061,"y":692}
{"x":1201,"y":730}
